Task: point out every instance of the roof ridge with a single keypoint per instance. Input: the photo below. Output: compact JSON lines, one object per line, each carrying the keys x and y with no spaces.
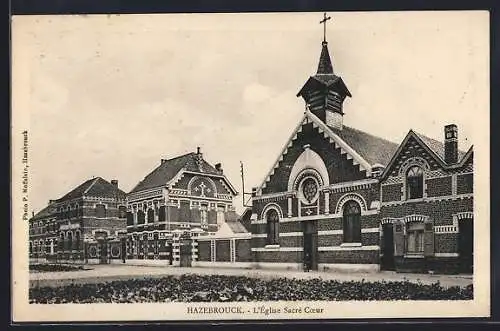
{"x":178,"y":157}
{"x":88,"y":188}
{"x":435,"y":140}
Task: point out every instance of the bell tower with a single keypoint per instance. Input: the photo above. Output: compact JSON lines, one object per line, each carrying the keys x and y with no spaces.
{"x":325,"y":92}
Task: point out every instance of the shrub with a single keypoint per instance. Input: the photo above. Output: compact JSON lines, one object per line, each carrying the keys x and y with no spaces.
{"x":218,"y":288}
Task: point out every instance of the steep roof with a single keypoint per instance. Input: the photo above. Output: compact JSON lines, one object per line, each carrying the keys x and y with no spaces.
{"x":437,"y":146}
{"x":325,"y":63}
{"x":237,"y":227}
{"x":45,"y":212}
{"x":372,"y":148}
{"x":324,"y":77}
{"x":171,"y":167}
{"x":95,"y":187}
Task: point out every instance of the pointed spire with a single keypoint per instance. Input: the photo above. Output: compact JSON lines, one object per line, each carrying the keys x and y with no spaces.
{"x":325,"y":66}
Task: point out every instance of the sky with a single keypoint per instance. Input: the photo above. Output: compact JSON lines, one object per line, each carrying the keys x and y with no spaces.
{"x":111,"y":95}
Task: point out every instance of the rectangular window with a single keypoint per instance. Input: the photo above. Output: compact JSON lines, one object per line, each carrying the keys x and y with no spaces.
{"x":415,"y":238}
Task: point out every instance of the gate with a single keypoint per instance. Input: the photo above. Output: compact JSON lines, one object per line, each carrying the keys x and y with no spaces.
{"x":185,"y":251}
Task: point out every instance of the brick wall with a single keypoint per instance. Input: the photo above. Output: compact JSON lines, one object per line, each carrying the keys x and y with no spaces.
{"x":446,"y":242}
{"x":112,"y":225}
{"x":391,"y":192}
{"x":465,"y":183}
{"x":439,"y":211}
{"x":438,"y":186}
{"x":277,"y":256}
{"x":340,"y":169}
{"x":349,"y":256}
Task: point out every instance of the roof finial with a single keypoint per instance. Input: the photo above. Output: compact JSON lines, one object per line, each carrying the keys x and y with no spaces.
{"x":323,"y":21}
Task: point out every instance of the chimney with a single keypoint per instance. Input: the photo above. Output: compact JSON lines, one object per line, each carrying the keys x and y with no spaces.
{"x":51,"y":202}
{"x":218,"y":167}
{"x":114,"y":182}
{"x":450,"y":144}
{"x":254,"y":192}
{"x":163,"y":161}
{"x":199,"y":159}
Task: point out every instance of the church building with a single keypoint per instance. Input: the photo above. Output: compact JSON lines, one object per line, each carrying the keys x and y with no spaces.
{"x":182,"y":198}
{"x":322,"y":207}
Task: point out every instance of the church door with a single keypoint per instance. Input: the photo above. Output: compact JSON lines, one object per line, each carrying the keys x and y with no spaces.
{"x":466,"y":245}
{"x":387,"y":259}
{"x":310,"y":256}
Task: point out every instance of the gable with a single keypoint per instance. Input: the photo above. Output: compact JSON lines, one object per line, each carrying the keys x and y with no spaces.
{"x":195,"y":183}
{"x":340,"y":166}
{"x":412,"y":149}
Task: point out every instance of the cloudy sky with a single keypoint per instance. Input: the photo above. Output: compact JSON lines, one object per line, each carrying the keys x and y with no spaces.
{"x":110,"y":96}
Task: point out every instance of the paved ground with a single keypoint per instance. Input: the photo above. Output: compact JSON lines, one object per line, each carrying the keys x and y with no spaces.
{"x":102,"y":273}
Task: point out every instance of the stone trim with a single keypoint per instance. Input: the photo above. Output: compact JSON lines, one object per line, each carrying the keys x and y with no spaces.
{"x":217,"y":264}
{"x":429,"y":199}
{"x":441,"y":229}
{"x":315,"y":217}
{"x":351,"y":186}
{"x":348,"y":267}
{"x":348,"y":248}
{"x":277,"y":196}
{"x":269,"y":206}
{"x":446,"y":254}
{"x":350,"y":196}
{"x":277,"y":249}
{"x":190,"y":184}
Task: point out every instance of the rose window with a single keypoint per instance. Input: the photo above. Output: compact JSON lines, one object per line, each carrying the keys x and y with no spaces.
{"x":309,"y":189}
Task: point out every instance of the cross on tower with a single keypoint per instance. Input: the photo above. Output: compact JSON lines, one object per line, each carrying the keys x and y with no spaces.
{"x":323,"y":21}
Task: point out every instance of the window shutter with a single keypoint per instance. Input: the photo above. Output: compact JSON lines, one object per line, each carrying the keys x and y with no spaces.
{"x":399,"y":239}
{"x":428,"y":237}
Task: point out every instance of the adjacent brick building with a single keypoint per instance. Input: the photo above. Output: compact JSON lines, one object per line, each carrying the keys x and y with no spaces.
{"x":84,"y":225}
{"x":427,"y":206}
{"x":182,"y":198}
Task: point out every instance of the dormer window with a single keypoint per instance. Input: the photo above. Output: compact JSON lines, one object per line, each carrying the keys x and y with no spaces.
{"x":414,"y":183}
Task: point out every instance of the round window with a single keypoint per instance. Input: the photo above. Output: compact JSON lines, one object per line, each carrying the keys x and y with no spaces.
{"x":310,"y":190}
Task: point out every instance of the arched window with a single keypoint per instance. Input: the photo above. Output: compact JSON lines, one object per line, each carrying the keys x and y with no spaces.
{"x":151,"y":216}
{"x":414,"y":183}
{"x":122,"y":211}
{"x":310,"y":190}
{"x":77,"y":245}
{"x":352,"y":222}
{"x":61,"y":242}
{"x":272,"y":218}
{"x":161,"y":214}
{"x":130,"y":218}
{"x":140,"y":217}
{"x":70,"y":241}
